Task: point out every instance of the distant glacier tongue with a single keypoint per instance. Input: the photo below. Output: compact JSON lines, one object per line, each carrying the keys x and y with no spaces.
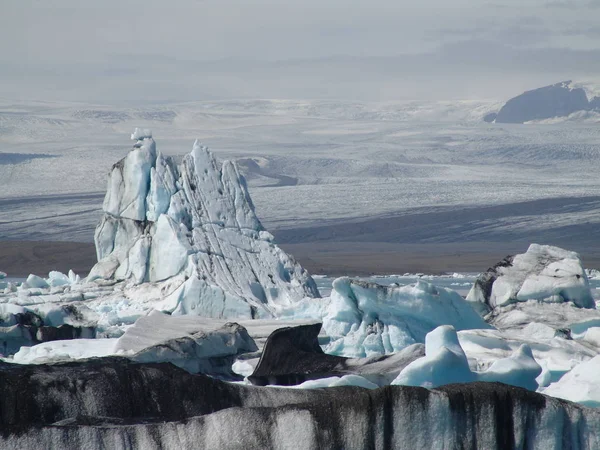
{"x":194,"y":224}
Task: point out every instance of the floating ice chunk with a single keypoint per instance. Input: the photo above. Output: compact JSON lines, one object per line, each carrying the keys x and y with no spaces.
{"x":592,"y":274}
{"x":444,"y":362}
{"x":579,"y":327}
{"x":555,"y":354}
{"x":73,"y":277}
{"x":581,"y":384}
{"x":206,"y":351}
{"x":243,"y":368}
{"x":367,"y":319}
{"x":536,"y":330}
{"x":543,"y":273}
{"x":33,"y":281}
{"x":346,"y":380}
{"x":2,"y":275}
{"x":8,"y":312}
{"x":157,"y":327}
{"x":592,"y":335}
{"x":56,"y":278}
{"x":519,"y":369}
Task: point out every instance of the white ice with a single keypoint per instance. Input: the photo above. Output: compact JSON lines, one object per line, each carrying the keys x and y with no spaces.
{"x":543,"y":273}
{"x":445,"y":362}
{"x":581,"y":385}
{"x":365,"y":319}
{"x":194,"y":222}
{"x":55,"y":351}
{"x":346,"y":380}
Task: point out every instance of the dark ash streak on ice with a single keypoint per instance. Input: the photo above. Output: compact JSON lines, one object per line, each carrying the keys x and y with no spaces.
{"x":105,"y":402}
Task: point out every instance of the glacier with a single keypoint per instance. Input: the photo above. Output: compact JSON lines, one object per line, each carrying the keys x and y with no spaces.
{"x":189,"y":284}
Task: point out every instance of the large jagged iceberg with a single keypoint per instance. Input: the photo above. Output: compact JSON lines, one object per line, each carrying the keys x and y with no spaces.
{"x":193,"y":224}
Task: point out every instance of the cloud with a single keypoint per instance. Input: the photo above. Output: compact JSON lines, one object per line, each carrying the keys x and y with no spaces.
{"x":154,"y":51}
{"x":573,"y":4}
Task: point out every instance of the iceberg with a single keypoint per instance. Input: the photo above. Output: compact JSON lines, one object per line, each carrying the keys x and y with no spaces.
{"x":445,"y":362}
{"x":543,"y":273}
{"x":65,"y":350}
{"x":557,"y":100}
{"x":580,"y":385}
{"x":210,"y":352}
{"x":345,"y":380}
{"x":193,"y":224}
{"x":520,"y":369}
{"x":365,"y":319}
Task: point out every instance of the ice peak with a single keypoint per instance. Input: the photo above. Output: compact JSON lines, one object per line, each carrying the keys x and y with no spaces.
{"x":198,"y":144}
{"x":139,"y":134}
{"x":195,"y":225}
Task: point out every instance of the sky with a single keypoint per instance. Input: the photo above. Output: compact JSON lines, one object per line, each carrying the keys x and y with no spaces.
{"x":184,"y":50}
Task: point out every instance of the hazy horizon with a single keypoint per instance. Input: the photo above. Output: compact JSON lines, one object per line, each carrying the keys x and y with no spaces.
{"x":149,"y":52}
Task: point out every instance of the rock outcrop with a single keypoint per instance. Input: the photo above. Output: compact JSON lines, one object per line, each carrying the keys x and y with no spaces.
{"x":557,"y":100}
